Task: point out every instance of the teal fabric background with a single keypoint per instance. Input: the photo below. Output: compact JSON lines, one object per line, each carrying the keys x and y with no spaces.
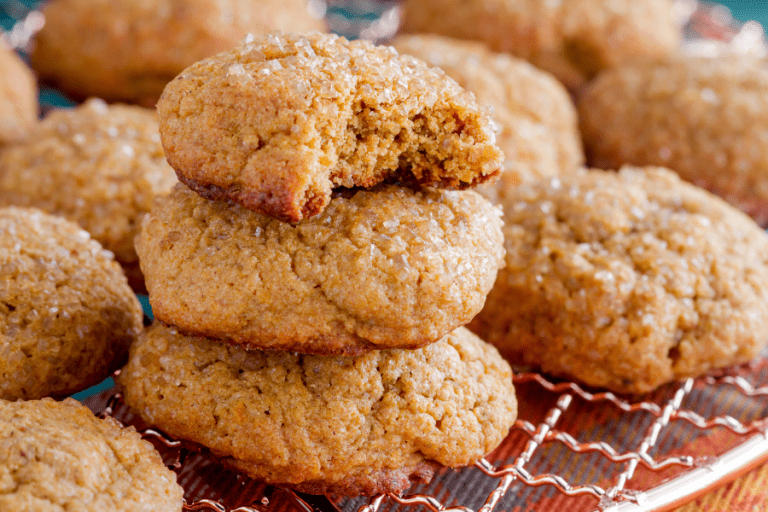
{"x":744,"y":10}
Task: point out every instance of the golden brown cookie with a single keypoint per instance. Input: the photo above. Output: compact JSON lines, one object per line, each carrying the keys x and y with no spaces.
{"x":18,"y":96}
{"x":538,"y":129}
{"x":704,"y":118}
{"x":67,"y":314}
{"x":278,"y":122}
{"x":378,"y":269}
{"x":57,"y":456}
{"x":129,"y":50}
{"x":348,"y":425}
{"x":572,"y":39}
{"x":100,"y":166}
{"x":627,"y":281}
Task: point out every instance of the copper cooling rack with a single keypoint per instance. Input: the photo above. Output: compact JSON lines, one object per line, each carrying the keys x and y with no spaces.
{"x":571,"y":449}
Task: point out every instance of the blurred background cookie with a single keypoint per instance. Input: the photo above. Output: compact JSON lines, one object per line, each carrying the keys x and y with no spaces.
{"x":67,"y":314}
{"x":98,"y":165}
{"x":277,"y":123}
{"x":572,"y":39}
{"x":379,"y":268}
{"x":627,"y":280}
{"x":349,"y":425}
{"x":538,"y":128}
{"x":705,"y":118}
{"x":59,"y":456}
{"x":18,"y":96}
{"x":129,"y":50}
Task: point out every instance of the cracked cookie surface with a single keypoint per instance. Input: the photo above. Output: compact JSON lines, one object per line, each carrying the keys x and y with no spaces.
{"x":704,"y":118}
{"x":98,"y":165}
{"x":388,"y":267}
{"x":280,"y":121}
{"x":67,"y":314}
{"x":627,"y":281}
{"x":59,"y":457}
{"x":538,"y":130}
{"x":349,"y":425}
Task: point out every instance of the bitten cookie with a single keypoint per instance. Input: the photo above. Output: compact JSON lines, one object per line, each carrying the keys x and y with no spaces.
{"x":57,"y":456}
{"x":572,"y":39}
{"x":538,"y":128}
{"x":129,"y":50}
{"x":18,"y":97}
{"x":627,"y":281}
{"x":280,"y":121}
{"x":377,"y":269}
{"x":67,"y":314}
{"x":704,"y":118}
{"x":100,"y":166}
{"x":350,"y":425}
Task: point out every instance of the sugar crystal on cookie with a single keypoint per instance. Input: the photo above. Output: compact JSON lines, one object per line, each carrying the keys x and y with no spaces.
{"x":320,"y":112}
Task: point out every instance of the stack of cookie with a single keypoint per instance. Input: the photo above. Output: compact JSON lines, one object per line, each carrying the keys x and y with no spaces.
{"x":307,"y":224}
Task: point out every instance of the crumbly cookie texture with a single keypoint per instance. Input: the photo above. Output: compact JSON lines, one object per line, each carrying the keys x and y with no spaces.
{"x":627,"y":281}
{"x":18,"y":97}
{"x":129,"y":50}
{"x":383,"y":268}
{"x":349,"y":425}
{"x":59,"y":457}
{"x":277,"y":123}
{"x":538,"y":129}
{"x":572,"y":39}
{"x":702,"y":117}
{"x":67,"y":314}
{"x":97,"y":165}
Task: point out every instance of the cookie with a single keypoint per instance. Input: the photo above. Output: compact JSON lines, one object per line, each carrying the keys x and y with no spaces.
{"x":627,"y":280}
{"x":377,"y":269}
{"x":18,"y":97}
{"x":100,"y":166}
{"x":67,"y":314}
{"x":572,"y":39}
{"x":538,"y":129}
{"x":57,"y":456}
{"x":702,"y":117}
{"x":348,"y":425}
{"x":129,"y":50}
{"x":277,"y":123}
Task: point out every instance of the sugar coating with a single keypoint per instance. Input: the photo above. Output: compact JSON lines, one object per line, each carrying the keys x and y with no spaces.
{"x":538,"y":129}
{"x":97,"y":165}
{"x":384,"y":268}
{"x":18,"y":97}
{"x":627,"y":281}
{"x":704,"y":118}
{"x":58,"y":457}
{"x":349,"y":425}
{"x":572,"y":39}
{"x":67,"y":314}
{"x":129,"y":50}
{"x":278,"y":122}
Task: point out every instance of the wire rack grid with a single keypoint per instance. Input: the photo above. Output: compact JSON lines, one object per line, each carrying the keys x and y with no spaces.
{"x":571,"y":449}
